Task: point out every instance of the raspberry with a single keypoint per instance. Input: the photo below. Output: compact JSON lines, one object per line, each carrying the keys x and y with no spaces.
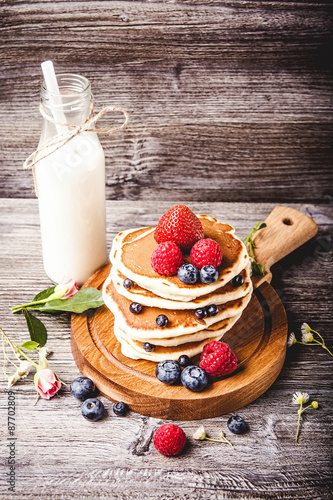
{"x":180,"y":225}
{"x":218,"y":359}
{"x":169,"y":439}
{"x":206,"y":252}
{"x":166,"y":259}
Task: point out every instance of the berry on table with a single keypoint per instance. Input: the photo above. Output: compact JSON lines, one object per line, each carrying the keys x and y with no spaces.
{"x":180,"y":225}
{"x":128,"y":284}
{"x":238,"y":280}
{"x":136,"y":308}
{"x":166,"y":259}
{"x":82,"y":388}
{"x":162,"y":320}
{"x":206,"y":252}
{"x":188,"y":274}
{"x":208,"y":274}
{"x":120,"y":408}
{"x":212,"y":310}
{"x":184,"y":360}
{"x":237,"y":424}
{"x":168,"y":371}
{"x":92,"y":409}
{"x":194,"y":378}
{"x":148,"y":347}
{"x":217,"y":359}
{"x":169,"y":439}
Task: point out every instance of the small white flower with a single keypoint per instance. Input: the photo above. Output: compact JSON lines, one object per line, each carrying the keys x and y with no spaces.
{"x":307,"y":337}
{"x":200,"y":433}
{"x":291,"y":340}
{"x":13,"y":379}
{"x":24,"y":368}
{"x":305,"y":328}
{"x":300,"y":398}
{"x":22,"y":371}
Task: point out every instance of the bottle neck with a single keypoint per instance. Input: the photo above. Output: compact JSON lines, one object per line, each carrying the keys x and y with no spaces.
{"x":73,"y":105}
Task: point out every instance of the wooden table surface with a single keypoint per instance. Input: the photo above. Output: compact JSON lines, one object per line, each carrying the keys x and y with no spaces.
{"x":61,"y":455}
{"x":230,"y":106}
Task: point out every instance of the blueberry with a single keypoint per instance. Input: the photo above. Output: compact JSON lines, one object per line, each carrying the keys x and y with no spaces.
{"x":92,"y":409}
{"x":120,"y":408}
{"x":208,"y":274}
{"x":194,"y":378}
{"x":136,"y":308}
{"x":236,"y":424}
{"x":128,"y":284}
{"x":148,"y":347}
{"x":238,"y":280}
{"x":188,"y":273}
{"x":168,"y":371}
{"x":201,"y":313}
{"x":184,"y":360}
{"x":161,"y":320}
{"x":212,"y":310}
{"x":82,"y":388}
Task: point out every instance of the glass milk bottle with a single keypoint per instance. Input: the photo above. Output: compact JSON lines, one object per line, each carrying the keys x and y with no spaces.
{"x":70,"y":185}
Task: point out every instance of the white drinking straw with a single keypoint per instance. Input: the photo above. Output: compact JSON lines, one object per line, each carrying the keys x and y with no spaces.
{"x":55,"y":96}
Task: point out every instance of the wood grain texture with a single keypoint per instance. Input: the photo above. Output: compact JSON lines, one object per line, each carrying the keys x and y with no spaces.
{"x":61,"y":456}
{"x":258,"y":339}
{"x":228,"y":101}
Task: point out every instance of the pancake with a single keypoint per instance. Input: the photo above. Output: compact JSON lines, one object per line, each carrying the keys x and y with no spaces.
{"x":131,"y":251}
{"x":180,"y":322}
{"x":147,"y":298}
{"x":217,"y":329}
{"x":133,"y":349}
{"x":184,"y":333}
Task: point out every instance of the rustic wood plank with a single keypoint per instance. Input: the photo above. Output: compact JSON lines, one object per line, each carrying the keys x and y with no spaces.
{"x":228,"y":101}
{"x":61,"y":455}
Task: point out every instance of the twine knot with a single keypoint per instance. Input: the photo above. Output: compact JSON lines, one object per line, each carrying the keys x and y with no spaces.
{"x":60,"y":140}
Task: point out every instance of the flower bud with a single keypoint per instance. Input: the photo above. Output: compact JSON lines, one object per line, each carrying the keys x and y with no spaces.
{"x":200,"y":433}
{"x":22,"y":371}
{"x":64,"y":290}
{"x":46,"y":383}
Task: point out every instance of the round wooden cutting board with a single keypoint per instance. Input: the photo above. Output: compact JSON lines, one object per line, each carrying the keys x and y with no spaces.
{"x":258,"y":339}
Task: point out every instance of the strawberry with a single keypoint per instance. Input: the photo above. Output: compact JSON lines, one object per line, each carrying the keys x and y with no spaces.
{"x":166,"y":258}
{"x":217,"y":359}
{"x":180,"y":225}
{"x":169,"y":439}
{"x":206,"y":252}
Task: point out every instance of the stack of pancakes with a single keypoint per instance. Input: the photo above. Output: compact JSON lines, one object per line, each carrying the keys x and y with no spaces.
{"x":184,"y":333}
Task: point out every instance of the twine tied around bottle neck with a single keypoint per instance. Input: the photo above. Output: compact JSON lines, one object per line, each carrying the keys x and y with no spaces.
{"x":60,"y":140}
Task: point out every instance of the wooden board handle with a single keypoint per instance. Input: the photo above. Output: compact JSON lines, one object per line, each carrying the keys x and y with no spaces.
{"x":287,"y":229}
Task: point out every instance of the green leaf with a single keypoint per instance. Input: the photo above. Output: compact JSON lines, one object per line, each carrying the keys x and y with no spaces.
{"x":30,"y":345}
{"x":257,"y":269}
{"x":86,"y":298}
{"x":262,"y":225}
{"x":44,"y":294}
{"x":36,"y":328}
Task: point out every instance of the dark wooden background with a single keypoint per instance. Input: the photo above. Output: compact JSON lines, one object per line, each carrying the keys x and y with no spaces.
{"x":229,"y":101}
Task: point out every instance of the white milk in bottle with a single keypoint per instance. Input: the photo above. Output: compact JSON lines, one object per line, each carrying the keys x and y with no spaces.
{"x":70,"y":185}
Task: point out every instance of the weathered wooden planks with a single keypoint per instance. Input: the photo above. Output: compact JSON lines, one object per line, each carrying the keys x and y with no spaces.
{"x":60,"y":455}
{"x":228,"y":101}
